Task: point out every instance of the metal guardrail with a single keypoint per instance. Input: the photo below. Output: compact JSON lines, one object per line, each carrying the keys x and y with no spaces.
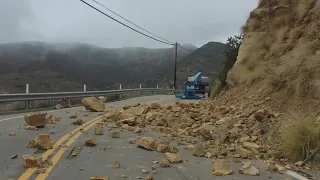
{"x":59,"y":95}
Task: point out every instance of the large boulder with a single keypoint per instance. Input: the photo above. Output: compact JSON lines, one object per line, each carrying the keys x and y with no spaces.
{"x":43,"y":141}
{"x":32,"y":161}
{"x":173,"y":158}
{"x":221,"y":168}
{"x":248,"y":169}
{"x":146,"y":143}
{"x":93,"y":104}
{"x":138,"y":110}
{"x":199,"y":150}
{"x":36,"y":119}
{"x":102,"y":99}
{"x":206,"y":130}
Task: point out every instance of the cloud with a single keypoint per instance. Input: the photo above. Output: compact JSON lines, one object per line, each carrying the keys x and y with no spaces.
{"x":184,"y":21}
{"x":17,"y":22}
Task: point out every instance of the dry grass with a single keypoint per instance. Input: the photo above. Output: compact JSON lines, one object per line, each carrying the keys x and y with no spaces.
{"x":300,"y":137}
{"x":276,"y":82}
{"x":216,"y":88}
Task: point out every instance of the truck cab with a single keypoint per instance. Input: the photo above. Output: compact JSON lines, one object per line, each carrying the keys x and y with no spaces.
{"x":202,"y":87}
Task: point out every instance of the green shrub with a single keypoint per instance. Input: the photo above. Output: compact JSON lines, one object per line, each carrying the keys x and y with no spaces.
{"x":232,"y":50}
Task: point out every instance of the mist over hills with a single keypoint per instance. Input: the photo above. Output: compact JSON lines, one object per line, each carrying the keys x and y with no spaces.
{"x":52,"y":67}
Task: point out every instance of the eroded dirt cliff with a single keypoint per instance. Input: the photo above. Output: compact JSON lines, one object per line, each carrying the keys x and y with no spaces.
{"x":280,"y":54}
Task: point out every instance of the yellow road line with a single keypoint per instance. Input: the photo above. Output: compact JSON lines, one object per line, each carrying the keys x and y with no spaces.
{"x":30,"y":171}
{"x":59,"y":154}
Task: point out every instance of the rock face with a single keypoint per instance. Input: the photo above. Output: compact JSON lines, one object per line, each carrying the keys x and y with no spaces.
{"x":283,"y":35}
{"x":93,"y":104}
{"x":36,"y":119}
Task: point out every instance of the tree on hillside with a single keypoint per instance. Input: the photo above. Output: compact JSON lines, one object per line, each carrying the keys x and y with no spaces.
{"x":232,"y":50}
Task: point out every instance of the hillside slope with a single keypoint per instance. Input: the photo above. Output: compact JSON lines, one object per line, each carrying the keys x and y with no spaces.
{"x":280,"y":53}
{"x":273,"y":89}
{"x":206,"y":59}
{"x":51,"y":67}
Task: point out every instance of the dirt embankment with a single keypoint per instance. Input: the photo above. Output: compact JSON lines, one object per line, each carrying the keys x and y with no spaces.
{"x":280,"y":55}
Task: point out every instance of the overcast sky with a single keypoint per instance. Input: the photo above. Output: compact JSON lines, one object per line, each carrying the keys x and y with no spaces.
{"x":185,"y":21}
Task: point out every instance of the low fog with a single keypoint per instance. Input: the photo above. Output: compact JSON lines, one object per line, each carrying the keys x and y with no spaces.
{"x":184,"y":21}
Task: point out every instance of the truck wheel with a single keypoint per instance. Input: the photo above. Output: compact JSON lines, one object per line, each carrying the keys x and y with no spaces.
{"x":207,"y":90}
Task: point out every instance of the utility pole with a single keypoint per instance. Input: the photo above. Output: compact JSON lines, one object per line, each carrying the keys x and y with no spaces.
{"x":175,"y":66}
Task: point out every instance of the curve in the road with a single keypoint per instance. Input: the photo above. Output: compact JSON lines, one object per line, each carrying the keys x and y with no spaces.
{"x":30,"y":171}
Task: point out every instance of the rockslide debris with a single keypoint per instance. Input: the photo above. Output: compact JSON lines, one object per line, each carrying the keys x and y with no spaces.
{"x":204,"y":128}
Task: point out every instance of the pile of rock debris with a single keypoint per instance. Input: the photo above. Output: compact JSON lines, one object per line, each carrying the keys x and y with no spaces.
{"x":221,"y":131}
{"x":205,"y":129}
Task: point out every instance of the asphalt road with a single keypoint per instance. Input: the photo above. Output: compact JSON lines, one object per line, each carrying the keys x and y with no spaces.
{"x":97,"y":161}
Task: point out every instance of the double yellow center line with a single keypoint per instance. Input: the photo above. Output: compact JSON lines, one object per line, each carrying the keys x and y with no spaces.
{"x":76,"y":133}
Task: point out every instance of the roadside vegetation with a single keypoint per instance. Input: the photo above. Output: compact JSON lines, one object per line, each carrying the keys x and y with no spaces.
{"x":301,"y":137}
{"x":233,"y":45}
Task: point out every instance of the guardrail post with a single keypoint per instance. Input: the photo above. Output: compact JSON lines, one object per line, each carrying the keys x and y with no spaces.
{"x":157,"y":92}
{"x":84,"y":88}
{"x":140,"y":91}
{"x":140,"y":86}
{"x":27,"y":88}
{"x":26,"y":103}
{"x":120,"y":92}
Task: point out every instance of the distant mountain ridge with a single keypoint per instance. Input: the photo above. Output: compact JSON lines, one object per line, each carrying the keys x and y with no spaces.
{"x":52,"y":67}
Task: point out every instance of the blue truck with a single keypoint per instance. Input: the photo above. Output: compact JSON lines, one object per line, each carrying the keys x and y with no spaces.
{"x":195,"y":87}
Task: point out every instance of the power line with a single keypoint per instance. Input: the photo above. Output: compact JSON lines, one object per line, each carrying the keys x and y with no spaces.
{"x":124,"y":24}
{"x":138,"y":27}
{"x":132,"y":22}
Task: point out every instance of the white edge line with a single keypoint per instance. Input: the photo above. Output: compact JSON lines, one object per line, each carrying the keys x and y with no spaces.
{"x":6,"y":119}
{"x":16,"y":117}
{"x":296,"y":175}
